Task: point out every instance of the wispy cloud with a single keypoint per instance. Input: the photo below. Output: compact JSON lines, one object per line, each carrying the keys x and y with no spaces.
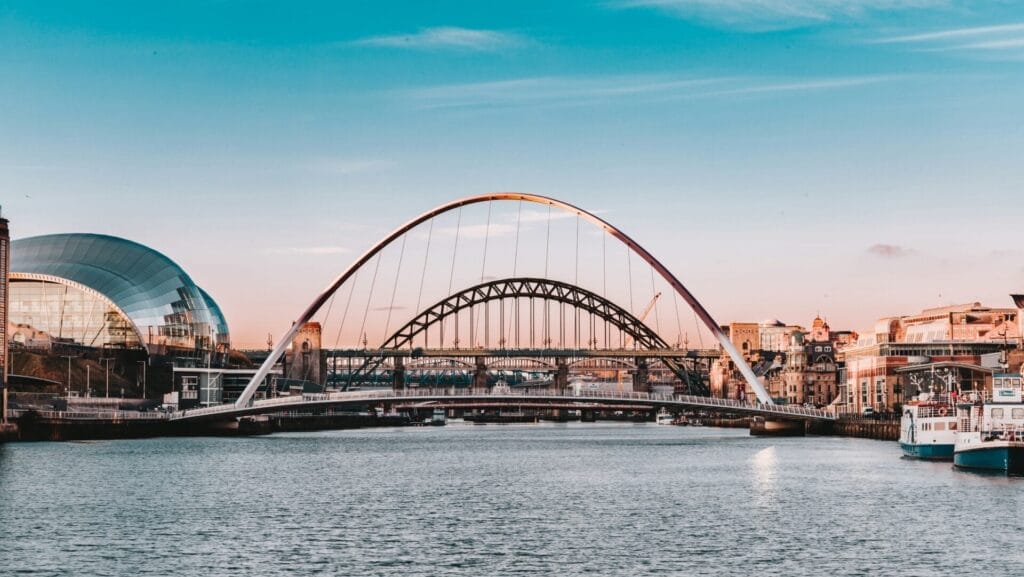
{"x":346,"y":165}
{"x":583,"y":91}
{"x":308,"y":250}
{"x":554,"y":89}
{"x":477,"y":230}
{"x":990,"y":42}
{"x":811,"y":85}
{"x":953,"y":34}
{"x":774,"y":14}
{"x":446,"y":37}
{"x":888,"y":250}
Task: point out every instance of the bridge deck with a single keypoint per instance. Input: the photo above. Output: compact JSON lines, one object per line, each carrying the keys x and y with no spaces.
{"x":510,"y":398}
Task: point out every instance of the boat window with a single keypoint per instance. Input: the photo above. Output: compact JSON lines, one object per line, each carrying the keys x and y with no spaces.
{"x":940,"y":426}
{"x":1018,"y":414}
{"x":997,"y":382}
{"x":997,"y":413}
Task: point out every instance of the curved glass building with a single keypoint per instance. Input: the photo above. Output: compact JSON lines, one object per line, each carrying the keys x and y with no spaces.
{"x":98,"y":291}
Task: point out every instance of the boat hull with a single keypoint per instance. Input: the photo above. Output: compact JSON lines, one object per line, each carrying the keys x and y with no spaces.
{"x":929,"y":452}
{"x":1006,"y":458}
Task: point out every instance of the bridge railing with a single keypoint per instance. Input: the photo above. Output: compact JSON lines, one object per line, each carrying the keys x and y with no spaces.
{"x":462,"y":393}
{"x":91,"y":416}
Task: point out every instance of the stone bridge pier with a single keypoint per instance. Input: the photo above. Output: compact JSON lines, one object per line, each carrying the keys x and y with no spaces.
{"x":480,"y":374}
{"x":640,"y":376}
{"x":561,"y":375}
{"x":398,"y":379}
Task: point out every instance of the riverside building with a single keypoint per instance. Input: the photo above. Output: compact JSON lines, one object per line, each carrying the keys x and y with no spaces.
{"x":955,"y":346}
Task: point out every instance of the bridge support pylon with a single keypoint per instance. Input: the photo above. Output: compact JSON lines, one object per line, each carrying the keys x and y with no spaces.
{"x":640,"y":384}
{"x":398,"y":381}
{"x":480,"y":375}
{"x":561,"y":375}
{"x":762,"y":427}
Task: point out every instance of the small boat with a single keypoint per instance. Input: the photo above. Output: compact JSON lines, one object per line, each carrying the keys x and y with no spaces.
{"x":990,"y":434}
{"x":664,"y":418}
{"x":928,"y":428}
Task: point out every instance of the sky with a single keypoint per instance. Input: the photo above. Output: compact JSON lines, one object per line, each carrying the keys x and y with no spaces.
{"x":784,"y":158}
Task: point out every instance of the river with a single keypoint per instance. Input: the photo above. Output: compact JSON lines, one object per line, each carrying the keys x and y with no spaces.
{"x":566,"y":499}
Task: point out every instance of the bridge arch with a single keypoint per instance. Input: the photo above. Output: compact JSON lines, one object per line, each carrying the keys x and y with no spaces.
{"x":516,"y":288}
{"x":602,"y":362}
{"x":437,"y":363}
{"x":518,"y":363}
{"x":246,"y":396}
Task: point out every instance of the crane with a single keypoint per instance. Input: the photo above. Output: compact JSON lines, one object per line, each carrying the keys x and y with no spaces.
{"x":629,"y":339}
{"x":643,"y":315}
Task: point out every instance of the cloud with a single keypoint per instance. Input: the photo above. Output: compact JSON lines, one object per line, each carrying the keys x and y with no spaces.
{"x":953,"y":34}
{"x":308,"y":250}
{"x":346,"y":165}
{"x":888,"y":250}
{"x":988,"y":42}
{"x":477,"y":230}
{"x":756,"y":15}
{"x":811,"y":85}
{"x":528,"y":216}
{"x":584,"y":90}
{"x":573,"y":90}
{"x":446,"y":37}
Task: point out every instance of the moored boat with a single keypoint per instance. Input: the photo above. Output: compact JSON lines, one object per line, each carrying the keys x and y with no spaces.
{"x":928,"y":428}
{"x":665,"y":418}
{"x":990,"y":433}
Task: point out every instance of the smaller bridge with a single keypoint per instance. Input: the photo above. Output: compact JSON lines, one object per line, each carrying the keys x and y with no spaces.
{"x":462,"y":397}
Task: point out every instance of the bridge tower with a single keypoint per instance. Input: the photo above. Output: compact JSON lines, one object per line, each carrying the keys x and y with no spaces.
{"x":480,"y":374}
{"x":640,"y":384}
{"x":5,"y":270}
{"x":561,"y":375}
{"x":398,"y":382}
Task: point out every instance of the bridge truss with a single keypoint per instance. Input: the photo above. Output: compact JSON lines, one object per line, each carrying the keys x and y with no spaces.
{"x":474,"y":300}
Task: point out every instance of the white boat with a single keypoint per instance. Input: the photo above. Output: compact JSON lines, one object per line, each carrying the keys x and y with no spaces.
{"x":928,"y":428}
{"x":665,"y":418}
{"x":990,"y":434}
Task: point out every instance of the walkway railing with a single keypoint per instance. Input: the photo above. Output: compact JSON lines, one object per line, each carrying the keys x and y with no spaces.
{"x":92,"y":416}
{"x":477,"y":394}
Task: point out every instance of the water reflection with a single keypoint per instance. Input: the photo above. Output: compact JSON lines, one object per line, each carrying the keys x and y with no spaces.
{"x":765,"y":465}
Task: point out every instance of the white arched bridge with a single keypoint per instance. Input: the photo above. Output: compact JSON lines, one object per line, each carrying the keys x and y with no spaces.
{"x":455,"y":397}
{"x":542,"y":322}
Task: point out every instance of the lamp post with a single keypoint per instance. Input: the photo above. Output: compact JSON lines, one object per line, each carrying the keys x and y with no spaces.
{"x":69,"y":357}
{"x":106,"y":361}
{"x":143,"y":363}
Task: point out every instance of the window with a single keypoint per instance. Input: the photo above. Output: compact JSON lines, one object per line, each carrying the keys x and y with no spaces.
{"x":1018,"y":414}
{"x":997,"y":413}
{"x":940,"y":426}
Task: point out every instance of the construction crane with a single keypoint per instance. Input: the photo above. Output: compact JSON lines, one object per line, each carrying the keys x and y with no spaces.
{"x":650,"y":306}
{"x":629,"y":339}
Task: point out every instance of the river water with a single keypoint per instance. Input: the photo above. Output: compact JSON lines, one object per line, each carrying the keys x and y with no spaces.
{"x":576,"y":499}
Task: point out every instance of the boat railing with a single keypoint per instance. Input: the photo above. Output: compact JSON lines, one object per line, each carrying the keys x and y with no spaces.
{"x":1013,"y":433}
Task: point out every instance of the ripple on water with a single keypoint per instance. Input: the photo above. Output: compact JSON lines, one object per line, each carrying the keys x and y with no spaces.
{"x":505,"y":500}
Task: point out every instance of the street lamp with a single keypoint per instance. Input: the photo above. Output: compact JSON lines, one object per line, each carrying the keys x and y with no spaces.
{"x":69,"y":357}
{"x":106,"y":361}
{"x":143,"y":363}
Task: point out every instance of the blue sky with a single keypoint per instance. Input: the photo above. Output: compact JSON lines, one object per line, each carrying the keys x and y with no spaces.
{"x":859,"y":158}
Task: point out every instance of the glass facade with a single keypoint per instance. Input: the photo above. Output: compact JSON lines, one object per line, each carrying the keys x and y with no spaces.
{"x":47,"y":313}
{"x":101,"y":290}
